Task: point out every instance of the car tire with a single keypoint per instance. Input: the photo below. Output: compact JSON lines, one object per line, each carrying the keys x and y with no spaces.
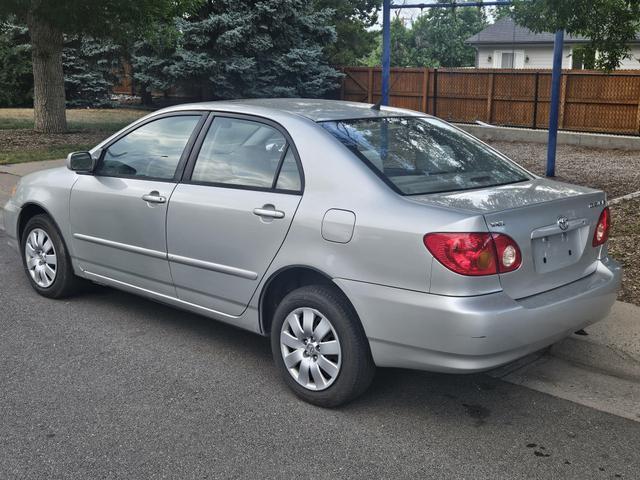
{"x":346,"y":368}
{"x":42,"y":246}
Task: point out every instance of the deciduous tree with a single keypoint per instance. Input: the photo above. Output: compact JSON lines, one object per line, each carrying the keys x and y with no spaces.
{"x":436,"y":38}
{"x":608,"y":24}
{"x":49,"y":20}
{"x":353,"y":20}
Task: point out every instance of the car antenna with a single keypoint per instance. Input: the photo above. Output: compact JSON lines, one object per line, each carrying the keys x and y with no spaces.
{"x":376,"y":106}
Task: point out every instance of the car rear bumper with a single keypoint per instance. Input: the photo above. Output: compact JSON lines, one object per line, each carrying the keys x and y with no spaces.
{"x":411,"y":329}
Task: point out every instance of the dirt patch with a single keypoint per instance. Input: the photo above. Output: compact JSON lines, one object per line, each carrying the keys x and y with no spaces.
{"x":624,"y":246}
{"x":617,"y":172}
{"x":19,"y":139}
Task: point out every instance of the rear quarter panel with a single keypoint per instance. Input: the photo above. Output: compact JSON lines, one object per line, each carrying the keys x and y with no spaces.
{"x":387,"y":243}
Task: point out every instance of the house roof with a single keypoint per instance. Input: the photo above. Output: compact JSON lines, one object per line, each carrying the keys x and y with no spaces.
{"x":506,"y":31}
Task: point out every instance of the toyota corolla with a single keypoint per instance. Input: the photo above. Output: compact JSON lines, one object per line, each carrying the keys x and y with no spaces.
{"x":353,"y":236}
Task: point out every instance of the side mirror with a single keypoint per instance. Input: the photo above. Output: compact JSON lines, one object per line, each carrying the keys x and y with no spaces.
{"x":81,"y":162}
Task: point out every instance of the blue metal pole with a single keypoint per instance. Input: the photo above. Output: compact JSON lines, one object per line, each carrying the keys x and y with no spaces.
{"x":386,"y":50}
{"x":555,"y":103}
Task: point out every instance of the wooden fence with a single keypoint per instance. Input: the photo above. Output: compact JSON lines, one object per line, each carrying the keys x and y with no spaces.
{"x":589,"y":101}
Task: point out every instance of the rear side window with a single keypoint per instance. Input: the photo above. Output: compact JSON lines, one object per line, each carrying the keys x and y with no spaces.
{"x":238,"y":152}
{"x":419,"y":155}
{"x":150,"y":151}
{"x":289,"y":177}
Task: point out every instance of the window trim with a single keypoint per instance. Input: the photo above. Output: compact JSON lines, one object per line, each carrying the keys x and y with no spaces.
{"x":183,"y":157}
{"x":516,"y":54}
{"x":195,"y":151}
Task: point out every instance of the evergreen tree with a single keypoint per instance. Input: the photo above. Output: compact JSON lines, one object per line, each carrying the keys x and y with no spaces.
{"x":89,"y":67}
{"x":242,"y":48}
{"x":16,"y":79}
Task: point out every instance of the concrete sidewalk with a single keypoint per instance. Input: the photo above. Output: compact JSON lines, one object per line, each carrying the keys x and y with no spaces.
{"x":600,"y":370}
{"x":22,"y":169}
{"x":9,"y":174}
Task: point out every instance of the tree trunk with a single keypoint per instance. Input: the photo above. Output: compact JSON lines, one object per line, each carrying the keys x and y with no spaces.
{"x":145,"y":96}
{"x":48,"y":79}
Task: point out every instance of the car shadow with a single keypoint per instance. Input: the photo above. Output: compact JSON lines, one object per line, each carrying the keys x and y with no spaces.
{"x":400,"y":389}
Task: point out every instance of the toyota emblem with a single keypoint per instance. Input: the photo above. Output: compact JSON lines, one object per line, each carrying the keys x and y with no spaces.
{"x":563,"y":222}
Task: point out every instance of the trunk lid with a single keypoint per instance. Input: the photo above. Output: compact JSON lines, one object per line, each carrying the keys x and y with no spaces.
{"x":552,"y":223}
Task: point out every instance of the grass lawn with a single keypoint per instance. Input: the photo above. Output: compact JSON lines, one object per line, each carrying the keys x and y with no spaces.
{"x":78,"y":119}
{"x":87,"y":127}
{"x":44,"y":153}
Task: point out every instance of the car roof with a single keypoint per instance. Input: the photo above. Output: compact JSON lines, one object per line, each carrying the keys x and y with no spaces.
{"x":317,"y":110}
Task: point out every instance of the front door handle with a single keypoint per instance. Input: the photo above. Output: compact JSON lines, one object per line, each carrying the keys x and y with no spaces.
{"x":154,"y":197}
{"x":268,"y":211}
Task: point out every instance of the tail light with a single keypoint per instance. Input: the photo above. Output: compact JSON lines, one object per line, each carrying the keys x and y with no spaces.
{"x":474,"y":254}
{"x":601,"y":235}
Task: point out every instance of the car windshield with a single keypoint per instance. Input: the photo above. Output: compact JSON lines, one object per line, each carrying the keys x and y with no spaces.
{"x":420,"y":155}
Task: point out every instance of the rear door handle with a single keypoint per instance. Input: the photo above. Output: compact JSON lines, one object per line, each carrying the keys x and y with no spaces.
{"x":268,"y":212}
{"x":154,"y":197}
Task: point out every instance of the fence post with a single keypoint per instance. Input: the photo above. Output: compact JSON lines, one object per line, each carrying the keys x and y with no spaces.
{"x":535,"y":101}
{"x":386,"y":50}
{"x":425,"y":88}
{"x":370,"y":86}
{"x":490,"y":97}
{"x":343,"y":70}
{"x":435,"y":92}
{"x":563,"y":99}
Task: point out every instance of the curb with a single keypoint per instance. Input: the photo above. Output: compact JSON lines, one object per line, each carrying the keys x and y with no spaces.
{"x":514,"y":134}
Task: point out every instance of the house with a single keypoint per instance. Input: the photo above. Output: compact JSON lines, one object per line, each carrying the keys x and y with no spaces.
{"x":508,"y":45}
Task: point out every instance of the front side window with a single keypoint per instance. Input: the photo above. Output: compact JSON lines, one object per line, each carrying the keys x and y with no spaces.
{"x":151,"y":151}
{"x":419,"y":155}
{"x":240,"y":152}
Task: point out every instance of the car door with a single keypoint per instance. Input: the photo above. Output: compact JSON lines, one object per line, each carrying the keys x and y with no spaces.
{"x":230,"y":215}
{"x":118,"y":213}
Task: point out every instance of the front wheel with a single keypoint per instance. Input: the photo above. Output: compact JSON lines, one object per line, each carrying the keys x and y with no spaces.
{"x":319,"y":346}
{"x":46,"y":260}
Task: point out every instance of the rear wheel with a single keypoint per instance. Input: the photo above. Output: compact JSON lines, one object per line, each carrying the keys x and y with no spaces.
{"x":46,"y":260}
{"x":319,"y":346}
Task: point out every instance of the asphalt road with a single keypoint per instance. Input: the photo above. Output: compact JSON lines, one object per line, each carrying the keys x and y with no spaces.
{"x":108,"y":385}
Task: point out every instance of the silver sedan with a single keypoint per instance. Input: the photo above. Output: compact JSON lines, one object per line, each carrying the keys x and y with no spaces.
{"x":353,"y":236}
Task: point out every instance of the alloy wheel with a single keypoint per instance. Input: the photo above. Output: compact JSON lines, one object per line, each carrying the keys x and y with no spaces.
{"x":310,"y":348}
{"x":41,"y":259}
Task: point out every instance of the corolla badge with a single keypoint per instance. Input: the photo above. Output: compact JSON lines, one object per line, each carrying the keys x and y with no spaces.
{"x":563,"y":222}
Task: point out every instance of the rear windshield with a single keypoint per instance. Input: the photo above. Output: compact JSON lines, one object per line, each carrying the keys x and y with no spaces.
{"x":418,"y":155}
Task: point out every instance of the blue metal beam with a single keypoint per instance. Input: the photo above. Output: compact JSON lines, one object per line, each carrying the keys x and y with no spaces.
{"x":386,"y":50}
{"x":386,"y":32}
{"x":555,"y":103}
{"x":453,"y":5}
